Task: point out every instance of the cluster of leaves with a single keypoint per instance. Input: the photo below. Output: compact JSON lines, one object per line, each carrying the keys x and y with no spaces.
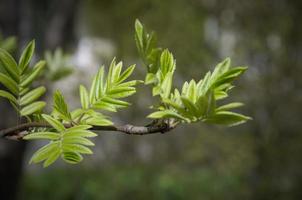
{"x":197,"y":101}
{"x":69,"y":143}
{"x":58,"y":65}
{"x":68,"y":131}
{"x":9,"y":43}
{"x":18,"y":78}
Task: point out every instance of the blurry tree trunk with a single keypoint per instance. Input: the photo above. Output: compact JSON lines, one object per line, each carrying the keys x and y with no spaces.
{"x":51,"y":23}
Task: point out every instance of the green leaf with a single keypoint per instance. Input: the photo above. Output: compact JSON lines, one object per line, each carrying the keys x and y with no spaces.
{"x":205,"y":84}
{"x":52,"y":157}
{"x":121,"y":92}
{"x":126,"y":74}
{"x":60,"y":106}
{"x":43,"y":153}
{"x":8,"y":96}
{"x":72,"y":157}
{"x":150,"y":78}
{"x":79,"y":133}
{"x":166,"y":85}
{"x":9,"y":83}
{"x":27,"y":80}
{"x":220,"y":69}
{"x":116,"y":102}
{"x":32,"y":108}
{"x":97,"y":85}
{"x":78,"y":128}
{"x":84,"y":97}
{"x":227,"y":118}
{"x":229,"y":76}
{"x":166,"y":114}
{"x":139,"y":33}
{"x":190,"y":106}
{"x":98,"y":121}
{"x":229,"y":106}
{"x":32,"y":95}
{"x":77,"y":140}
{"x":9,"y":64}
{"x":166,"y":62}
{"x":26,"y":56}
{"x":54,"y":123}
{"x":76,"y":148}
{"x":104,"y":106}
{"x":42,"y":135}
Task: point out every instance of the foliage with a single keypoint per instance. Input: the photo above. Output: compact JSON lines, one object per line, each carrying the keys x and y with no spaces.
{"x":67,"y":131}
{"x":197,"y":101}
{"x":58,"y":65}
{"x":18,"y":78}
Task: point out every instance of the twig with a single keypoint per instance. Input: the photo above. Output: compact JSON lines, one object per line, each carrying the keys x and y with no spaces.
{"x":17,"y":132}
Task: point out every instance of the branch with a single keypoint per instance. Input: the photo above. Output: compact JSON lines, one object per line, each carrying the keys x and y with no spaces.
{"x":17,"y":132}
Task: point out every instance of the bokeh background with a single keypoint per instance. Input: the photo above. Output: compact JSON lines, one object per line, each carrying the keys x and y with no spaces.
{"x":260,"y":160}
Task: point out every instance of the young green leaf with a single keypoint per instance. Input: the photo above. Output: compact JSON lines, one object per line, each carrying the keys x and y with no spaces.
{"x":32,"y":108}
{"x":54,"y":123}
{"x":32,"y":95}
{"x":26,"y":56}
{"x":9,"y":65}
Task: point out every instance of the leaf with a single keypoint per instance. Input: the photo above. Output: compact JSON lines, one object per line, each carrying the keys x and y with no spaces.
{"x":166,"y":85}
{"x":104,"y":106}
{"x":9,"y":65}
{"x":227,"y":118}
{"x":8,"y":96}
{"x":166,"y":114}
{"x":60,"y":106}
{"x":99,"y":121}
{"x":9,"y":83}
{"x":84,"y":97}
{"x":78,"y":128}
{"x":76,"y":148}
{"x":229,"y":76}
{"x":77,"y":140}
{"x":32,"y":95}
{"x":26,"y":56}
{"x":139,"y":32}
{"x":220,"y":69}
{"x":97,"y":85}
{"x":116,"y":102}
{"x":166,"y":62}
{"x":150,"y":78}
{"x":126,"y":74}
{"x":33,"y":74}
{"x":229,"y":106}
{"x":79,"y":133}
{"x":205,"y":84}
{"x":32,"y":108}
{"x":43,"y":153}
{"x":42,"y":135}
{"x":52,"y":157}
{"x":190,"y":106}
{"x":54,"y":123}
{"x":72,"y":157}
{"x":121,"y":92}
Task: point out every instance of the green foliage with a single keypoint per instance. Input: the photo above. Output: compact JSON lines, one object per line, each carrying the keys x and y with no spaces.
{"x":197,"y":101}
{"x":67,"y":131}
{"x":58,"y":65}
{"x":9,"y":44}
{"x":67,"y":143}
{"x":70,"y":143}
{"x":17,"y":79}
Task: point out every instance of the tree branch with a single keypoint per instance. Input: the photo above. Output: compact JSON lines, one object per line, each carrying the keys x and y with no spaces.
{"x":17,"y":132}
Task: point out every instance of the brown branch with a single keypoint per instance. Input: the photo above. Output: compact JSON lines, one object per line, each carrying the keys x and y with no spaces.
{"x":17,"y":132}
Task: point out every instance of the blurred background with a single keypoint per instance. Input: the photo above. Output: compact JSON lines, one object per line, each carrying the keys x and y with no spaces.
{"x":260,"y":160}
